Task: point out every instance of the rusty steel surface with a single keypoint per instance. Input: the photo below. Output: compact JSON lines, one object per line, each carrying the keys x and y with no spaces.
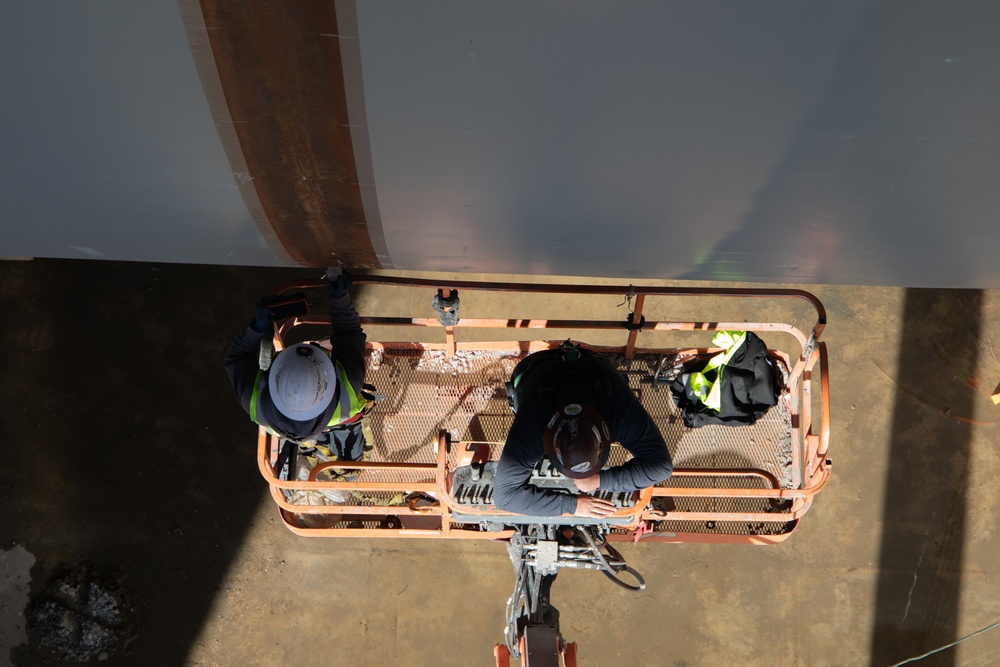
{"x":282,"y":71}
{"x":445,"y":404}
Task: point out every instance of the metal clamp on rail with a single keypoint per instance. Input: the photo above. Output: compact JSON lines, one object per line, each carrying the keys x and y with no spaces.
{"x":446,"y":306}
{"x":631,"y":325}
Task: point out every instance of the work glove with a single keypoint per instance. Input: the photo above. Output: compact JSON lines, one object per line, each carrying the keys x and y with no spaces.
{"x":338,"y":281}
{"x":262,"y":318}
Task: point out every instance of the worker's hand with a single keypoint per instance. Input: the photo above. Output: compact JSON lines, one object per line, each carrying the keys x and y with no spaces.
{"x":262,"y":318}
{"x":595,"y":508}
{"x":589,"y":484}
{"x":338,"y":281}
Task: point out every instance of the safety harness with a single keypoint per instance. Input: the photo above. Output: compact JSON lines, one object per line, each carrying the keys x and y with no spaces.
{"x":573,"y":364}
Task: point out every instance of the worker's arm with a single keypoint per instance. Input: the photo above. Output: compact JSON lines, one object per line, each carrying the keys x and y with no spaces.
{"x":512,"y":491}
{"x":632,"y":426}
{"x":347,"y":338}
{"x":243,"y":362}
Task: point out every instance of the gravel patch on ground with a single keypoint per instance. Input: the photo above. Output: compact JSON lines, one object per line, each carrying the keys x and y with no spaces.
{"x":84,"y":614}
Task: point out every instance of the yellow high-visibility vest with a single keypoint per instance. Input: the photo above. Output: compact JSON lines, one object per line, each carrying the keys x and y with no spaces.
{"x":708,"y":391}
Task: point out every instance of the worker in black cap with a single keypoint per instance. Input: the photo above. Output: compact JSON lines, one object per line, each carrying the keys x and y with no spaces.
{"x":570,"y":405}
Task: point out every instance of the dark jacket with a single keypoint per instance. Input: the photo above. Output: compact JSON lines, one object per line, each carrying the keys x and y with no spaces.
{"x":347,"y":342}
{"x":538,"y":398}
{"x":749,"y":386}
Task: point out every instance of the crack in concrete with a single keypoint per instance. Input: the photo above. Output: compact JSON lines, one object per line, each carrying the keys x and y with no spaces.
{"x":916,"y":570}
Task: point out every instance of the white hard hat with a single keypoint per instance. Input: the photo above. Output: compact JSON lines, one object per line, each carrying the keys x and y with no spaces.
{"x":302,"y":382}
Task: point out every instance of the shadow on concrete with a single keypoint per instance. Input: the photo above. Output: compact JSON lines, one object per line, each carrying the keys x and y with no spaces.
{"x":123,"y":443}
{"x":919,"y":585}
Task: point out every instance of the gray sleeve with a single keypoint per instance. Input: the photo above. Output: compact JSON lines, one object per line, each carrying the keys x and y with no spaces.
{"x":242,"y":363}
{"x":347,"y":339}
{"x":512,"y":492}
{"x":635,"y":430}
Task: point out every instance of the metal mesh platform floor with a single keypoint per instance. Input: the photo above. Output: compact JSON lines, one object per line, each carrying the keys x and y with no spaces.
{"x":429,"y":390}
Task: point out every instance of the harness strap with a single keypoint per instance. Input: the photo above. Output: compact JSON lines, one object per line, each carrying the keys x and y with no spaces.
{"x":556,"y":370}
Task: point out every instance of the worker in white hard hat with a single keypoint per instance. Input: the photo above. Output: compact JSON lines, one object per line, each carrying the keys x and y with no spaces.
{"x":307,"y":393}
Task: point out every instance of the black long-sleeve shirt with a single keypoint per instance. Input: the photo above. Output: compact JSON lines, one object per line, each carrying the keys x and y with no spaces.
{"x":628,"y":421}
{"x":347,"y":342}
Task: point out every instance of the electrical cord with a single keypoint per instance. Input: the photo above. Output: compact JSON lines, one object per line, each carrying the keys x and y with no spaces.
{"x":946,"y":646}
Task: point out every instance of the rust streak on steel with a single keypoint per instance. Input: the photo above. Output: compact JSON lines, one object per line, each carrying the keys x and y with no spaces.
{"x":284,"y":83}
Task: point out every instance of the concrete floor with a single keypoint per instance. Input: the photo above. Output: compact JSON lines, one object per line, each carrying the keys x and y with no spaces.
{"x":124,"y":447}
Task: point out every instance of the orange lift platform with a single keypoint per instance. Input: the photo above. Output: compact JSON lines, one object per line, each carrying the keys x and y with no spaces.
{"x":442,"y":416}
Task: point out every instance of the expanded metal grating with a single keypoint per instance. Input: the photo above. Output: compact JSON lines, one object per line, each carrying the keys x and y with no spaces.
{"x":749,"y":528}
{"x":429,"y":390}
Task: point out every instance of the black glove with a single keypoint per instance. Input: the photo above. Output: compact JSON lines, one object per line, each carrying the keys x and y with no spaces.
{"x":338,"y":281}
{"x":262,"y":318}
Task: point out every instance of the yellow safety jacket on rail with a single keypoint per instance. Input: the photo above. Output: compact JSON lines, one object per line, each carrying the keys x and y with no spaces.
{"x":705,"y":385}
